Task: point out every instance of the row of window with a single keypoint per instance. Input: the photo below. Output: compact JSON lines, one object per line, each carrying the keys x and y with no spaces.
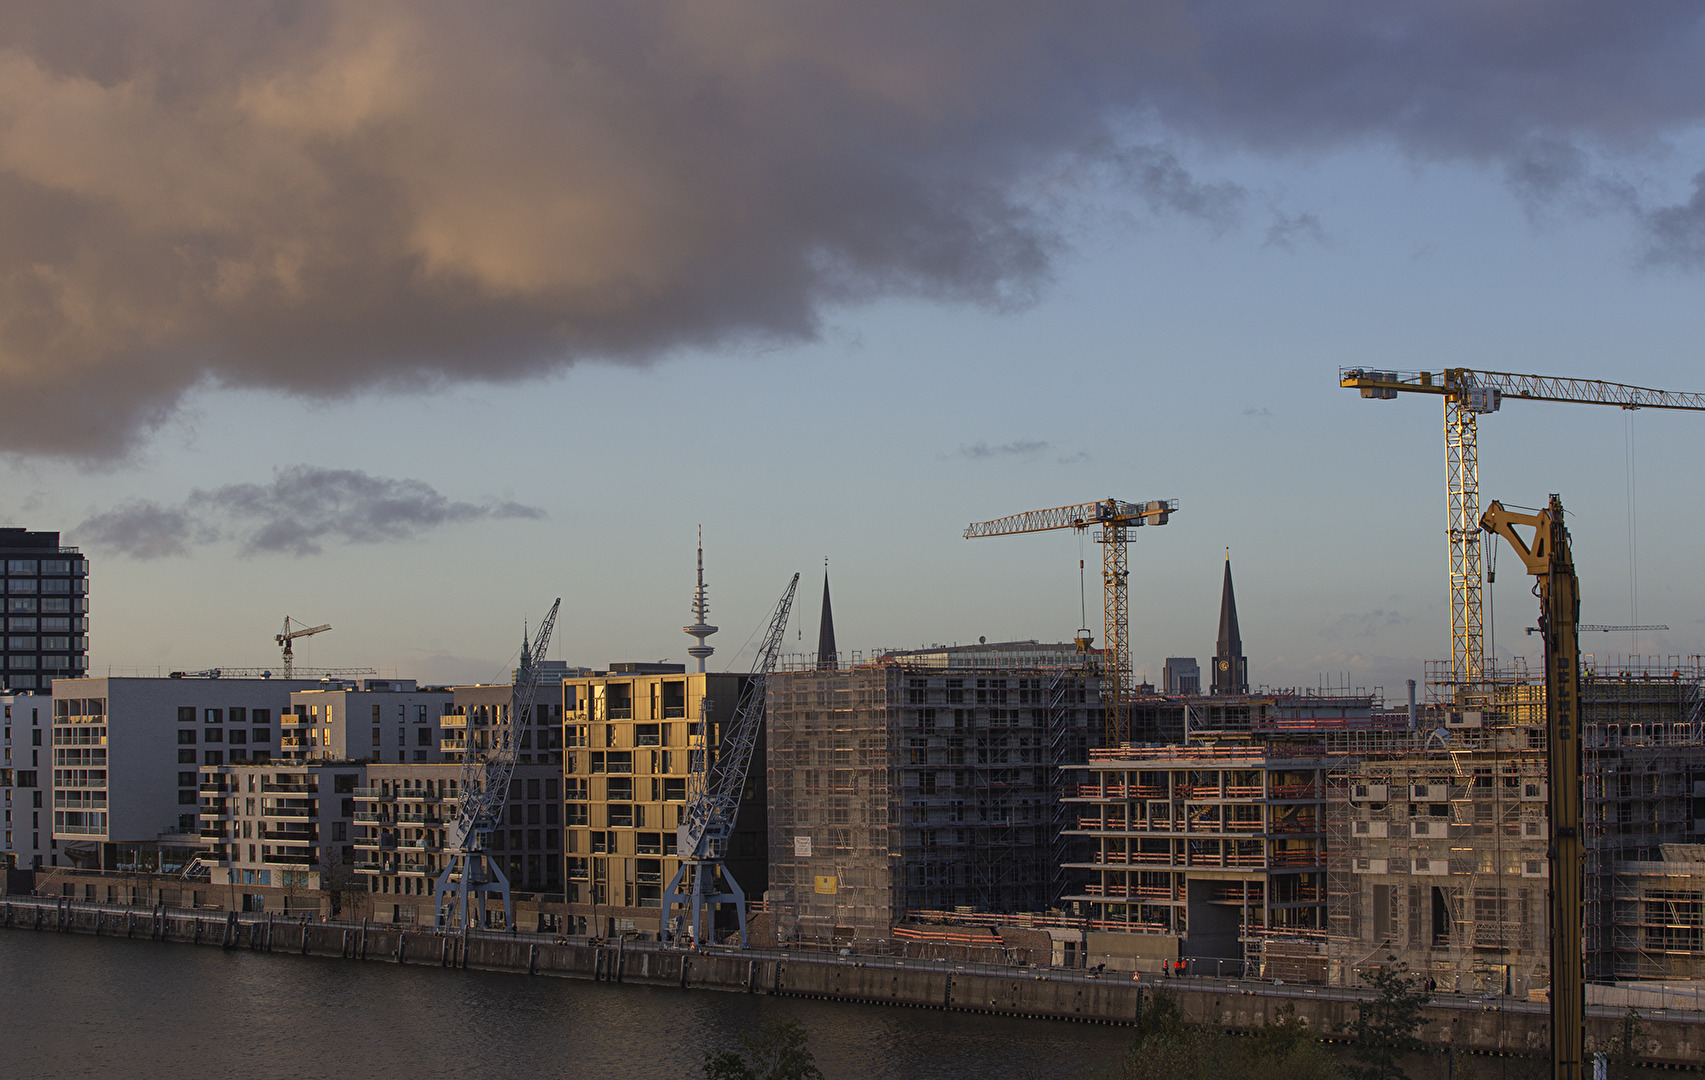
{"x":47,"y":566}
{"x":27,"y":662}
{"x":64,"y":586}
{"x":235,"y":736}
{"x":28,"y":644}
{"x":238,"y":715}
{"x":59,"y":623}
{"x":29,"y":605}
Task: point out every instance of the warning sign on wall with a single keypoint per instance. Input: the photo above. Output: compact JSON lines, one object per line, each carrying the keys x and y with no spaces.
{"x":825,"y":885}
{"x":802,"y":847}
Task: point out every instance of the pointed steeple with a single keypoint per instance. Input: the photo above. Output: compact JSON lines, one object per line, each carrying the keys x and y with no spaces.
{"x":1231,"y":668}
{"x":826,"y":660}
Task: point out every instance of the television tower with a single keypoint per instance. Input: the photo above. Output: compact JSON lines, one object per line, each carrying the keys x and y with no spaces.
{"x":701,"y":608}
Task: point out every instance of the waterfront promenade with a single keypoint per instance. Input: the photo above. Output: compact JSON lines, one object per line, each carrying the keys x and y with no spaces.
{"x":1491,"y":1025}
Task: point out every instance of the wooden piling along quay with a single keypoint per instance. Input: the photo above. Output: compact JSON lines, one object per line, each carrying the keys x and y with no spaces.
{"x":1669,"y":1038}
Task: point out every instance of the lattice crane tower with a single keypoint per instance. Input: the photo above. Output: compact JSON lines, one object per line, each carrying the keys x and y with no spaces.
{"x":470,"y":873}
{"x":1116,"y":518}
{"x":1468,"y":394}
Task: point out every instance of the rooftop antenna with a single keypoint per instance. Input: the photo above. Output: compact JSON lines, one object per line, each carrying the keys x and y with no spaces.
{"x":700,"y":629}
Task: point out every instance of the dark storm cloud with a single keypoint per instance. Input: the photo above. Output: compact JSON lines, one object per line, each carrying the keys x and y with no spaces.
{"x":1675,"y":235}
{"x":321,"y":197}
{"x":302,"y":507}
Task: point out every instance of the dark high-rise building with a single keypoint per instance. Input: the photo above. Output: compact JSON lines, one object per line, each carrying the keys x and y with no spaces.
{"x":47,"y":610}
{"x":1231,"y":668}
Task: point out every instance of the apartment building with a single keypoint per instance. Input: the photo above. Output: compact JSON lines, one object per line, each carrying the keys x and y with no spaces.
{"x":400,"y":816}
{"x":629,"y":735}
{"x":28,"y":832}
{"x":127,"y":753}
{"x":47,"y":610}
{"x":896,"y":789}
{"x":287,"y":826}
{"x":379,"y":720}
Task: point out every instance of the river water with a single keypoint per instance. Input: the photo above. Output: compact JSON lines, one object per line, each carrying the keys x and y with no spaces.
{"x":76,"y":1006}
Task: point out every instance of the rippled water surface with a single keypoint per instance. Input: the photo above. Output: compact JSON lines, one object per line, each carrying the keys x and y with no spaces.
{"x":76,"y":1006}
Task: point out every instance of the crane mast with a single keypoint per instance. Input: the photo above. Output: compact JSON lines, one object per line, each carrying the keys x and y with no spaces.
{"x":470,"y":874}
{"x":1468,"y":394}
{"x":1116,"y":518}
{"x":714,"y":786}
{"x":1548,"y":558}
{"x":288,"y":638}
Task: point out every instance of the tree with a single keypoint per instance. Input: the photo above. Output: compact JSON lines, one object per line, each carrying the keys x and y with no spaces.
{"x":1624,"y":1047}
{"x":1385,"y":1028}
{"x":774,"y":1052}
{"x":1286,"y":1048}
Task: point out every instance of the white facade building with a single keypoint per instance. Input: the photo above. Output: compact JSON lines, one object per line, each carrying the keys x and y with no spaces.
{"x":28,"y":832}
{"x":126,"y":757}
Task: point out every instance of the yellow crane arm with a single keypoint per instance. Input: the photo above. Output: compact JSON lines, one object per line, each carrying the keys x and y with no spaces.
{"x":1078,"y":516}
{"x":1486,"y":388}
{"x":1535,"y":556}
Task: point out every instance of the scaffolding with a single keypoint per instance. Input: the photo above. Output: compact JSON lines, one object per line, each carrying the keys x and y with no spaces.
{"x":1464,"y":898}
{"x":895,"y":787}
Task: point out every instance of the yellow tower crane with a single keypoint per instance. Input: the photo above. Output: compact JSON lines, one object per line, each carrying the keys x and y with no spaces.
{"x":1468,"y":394}
{"x":1116,"y":518}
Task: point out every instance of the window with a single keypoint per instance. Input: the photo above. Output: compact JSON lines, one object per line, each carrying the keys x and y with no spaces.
{"x":186,"y":738}
{"x":186,"y":757}
{"x":213,"y":757}
{"x":21,"y":566}
{"x":260,"y":734}
{"x":211,"y":735}
{"x":674,"y":788}
{"x":213,"y":716}
{"x":619,"y":789}
{"x":239,"y":716}
{"x":423,"y":736}
{"x":238,"y":736}
{"x":186,"y":798}
{"x":261,"y":716}
{"x":186,"y":779}
{"x":375,"y":736}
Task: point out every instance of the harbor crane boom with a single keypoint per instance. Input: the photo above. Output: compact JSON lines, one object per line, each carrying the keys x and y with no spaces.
{"x":289,"y":636}
{"x":1467,"y":395}
{"x":1548,"y":558}
{"x":470,"y":873}
{"x":715,"y":782}
{"x":1115,"y":517}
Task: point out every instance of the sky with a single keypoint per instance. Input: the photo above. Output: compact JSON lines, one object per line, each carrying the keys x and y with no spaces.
{"x":411,"y":317}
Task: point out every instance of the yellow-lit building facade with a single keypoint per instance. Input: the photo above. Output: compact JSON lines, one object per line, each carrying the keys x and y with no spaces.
{"x":628,"y":739}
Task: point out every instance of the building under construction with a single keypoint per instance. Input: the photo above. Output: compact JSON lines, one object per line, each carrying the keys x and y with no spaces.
{"x":895,"y":789}
{"x":1439,"y":838}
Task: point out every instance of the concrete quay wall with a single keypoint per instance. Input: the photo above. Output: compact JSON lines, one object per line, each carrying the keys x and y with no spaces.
{"x":1515,"y":1028}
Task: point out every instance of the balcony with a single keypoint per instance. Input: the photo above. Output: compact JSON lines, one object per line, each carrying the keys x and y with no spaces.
{"x":293,"y":720}
{"x":288,"y":837}
{"x":452,"y":721}
{"x":289,"y":789}
{"x":375,"y":843}
{"x":214,"y":789}
{"x":288,"y":812}
{"x":289,"y":742}
{"x":209,"y":832}
{"x":288,"y":859}
{"x":417,"y":795}
{"x":420,"y":845}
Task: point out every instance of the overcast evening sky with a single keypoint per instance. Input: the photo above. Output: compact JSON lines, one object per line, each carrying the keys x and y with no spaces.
{"x":410,"y":317}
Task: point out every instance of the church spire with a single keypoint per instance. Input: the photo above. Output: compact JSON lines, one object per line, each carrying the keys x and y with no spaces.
{"x":1231,"y":668}
{"x":826,"y":658}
